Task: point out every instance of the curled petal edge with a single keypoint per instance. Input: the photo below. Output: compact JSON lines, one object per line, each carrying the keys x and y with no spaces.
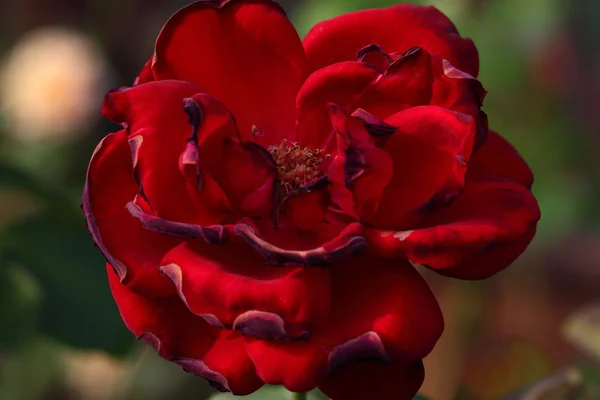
{"x":366,"y":347}
{"x":253,"y":323}
{"x":119,"y":268}
{"x":198,"y":367}
{"x":212,"y":234}
{"x":348,"y":242}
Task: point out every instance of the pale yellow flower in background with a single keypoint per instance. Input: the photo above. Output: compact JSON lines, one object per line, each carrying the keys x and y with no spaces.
{"x":51,"y":85}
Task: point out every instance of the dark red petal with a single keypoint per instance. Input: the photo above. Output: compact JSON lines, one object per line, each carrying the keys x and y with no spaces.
{"x":231,"y":286}
{"x":460,"y":92}
{"x":486,"y":215}
{"x":430,"y":151}
{"x":242,"y":173}
{"x":395,"y":29}
{"x":245,"y":53}
{"x":494,"y":259}
{"x":213,"y":234}
{"x":339,"y":84}
{"x":498,"y":158}
{"x":145,"y":75}
{"x":369,"y":380}
{"x":407,"y":82}
{"x":248,"y":175}
{"x":134,"y":253}
{"x":415,"y":78}
{"x":322,"y":246}
{"x":158,"y":134}
{"x":381,"y":311}
{"x":360,"y":168}
{"x":307,"y":211}
{"x":179,"y":336}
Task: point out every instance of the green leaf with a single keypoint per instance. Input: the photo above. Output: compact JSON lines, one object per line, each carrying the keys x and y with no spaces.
{"x":78,"y":308}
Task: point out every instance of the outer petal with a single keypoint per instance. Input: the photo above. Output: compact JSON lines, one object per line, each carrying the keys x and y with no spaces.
{"x":369,"y":380}
{"x":430,"y":151}
{"x":134,"y":253}
{"x":381,"y":311}
{"x":218,"y":159}
{"x":489,"y":214}
{"x":254,"y":61}
{"x":498,"y":158}
{"x":232,"y":287}
{"x":145,"y":74}
{"x":492,"y":261}
{"x":415,"y":78}
{"x":395,"y":29}
{"x":353,"y":85}
{"x":327,"y":243}
{"x":179,"y":336}
{"x":360,"y":171}
{"x":339,"y":84}
{"x":158,"y":135}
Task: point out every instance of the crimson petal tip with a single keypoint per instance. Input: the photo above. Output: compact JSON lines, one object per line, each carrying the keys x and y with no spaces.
{"x":366,"y":347}
{"x":198,"y":367}
{"x":320,"y":256}
{"x":212,"y":234}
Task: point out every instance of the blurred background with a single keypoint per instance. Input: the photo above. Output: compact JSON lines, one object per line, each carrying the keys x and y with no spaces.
{"x":531,"y":332}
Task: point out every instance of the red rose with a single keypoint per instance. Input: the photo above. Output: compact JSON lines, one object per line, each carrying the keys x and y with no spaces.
{"x":262,"y":205}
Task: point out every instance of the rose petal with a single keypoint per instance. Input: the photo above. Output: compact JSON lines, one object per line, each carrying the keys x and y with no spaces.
{"x":248,"y":175}
{"x":213,"y":234}
{"x":494,"y":259}
{"x":134,"y":253}
{"x":487,"y":214}
{"x":339,"y":84}
{"x":179,"y":336}
{"x":458,"y":91}
{"x":145,"y":74}
{"x":395,"y":29}
{"x":359,"y":168}
{"x":322,"y":246}
{"x":369,"y":380}
{"x":429,"y":151}
{"x":498,"y":158}
{"x":227,"y":282}
{"x":415,"y":78}
{"x":254,"y":61}
{"x":242,"y":173}
{"x":381,"y":312}
{"x":160,"y":132}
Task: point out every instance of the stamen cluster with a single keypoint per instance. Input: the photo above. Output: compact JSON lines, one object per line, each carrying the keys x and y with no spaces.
{"x":297,"y":165}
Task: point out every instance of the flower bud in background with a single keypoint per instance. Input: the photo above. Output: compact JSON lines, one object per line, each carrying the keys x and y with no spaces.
{"x":50,"y":83}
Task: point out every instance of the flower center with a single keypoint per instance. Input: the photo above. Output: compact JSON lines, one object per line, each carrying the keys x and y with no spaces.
{"x":298,"y":166}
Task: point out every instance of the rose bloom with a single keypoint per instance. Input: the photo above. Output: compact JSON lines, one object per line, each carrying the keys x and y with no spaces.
{"x":263,"y":205}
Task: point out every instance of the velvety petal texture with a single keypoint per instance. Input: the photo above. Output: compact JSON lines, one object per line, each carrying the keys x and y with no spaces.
{"x":384,"y":313}
{"x":266,"y":199}
{"x":215,"y":354}
{"x":394,"y":29}
{"x":245,"y":53}
{"x":133,"y":252}
{"x":416,"y":78}
{"x":229,"y":283}
{"x":488,"y":214}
